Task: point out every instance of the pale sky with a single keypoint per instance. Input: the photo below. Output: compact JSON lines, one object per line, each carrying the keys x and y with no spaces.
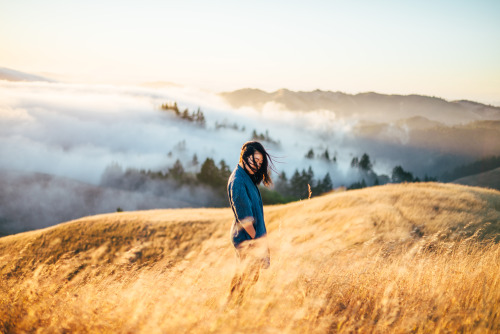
{"x":449,"y":49}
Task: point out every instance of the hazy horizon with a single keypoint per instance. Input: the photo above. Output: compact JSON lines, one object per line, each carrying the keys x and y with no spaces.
{"x":19,"y":76}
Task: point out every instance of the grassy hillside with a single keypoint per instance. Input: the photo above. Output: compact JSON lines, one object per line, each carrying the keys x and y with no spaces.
{"x":395,"y":258}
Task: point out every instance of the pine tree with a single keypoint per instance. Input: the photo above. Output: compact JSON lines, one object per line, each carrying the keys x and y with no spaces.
{"x":281,"y":185}
{"x":326,"y":155}
{"x":400,"y":175}
{"x":296,"y":184}
{"x":365,"y":163}
{"x":327,"y":183}
{"x":177,"y":171}
{"x":310,"y":175}
{"x":176,"y":109}
{"x":209,"y":173}
{"x":224,"y":171}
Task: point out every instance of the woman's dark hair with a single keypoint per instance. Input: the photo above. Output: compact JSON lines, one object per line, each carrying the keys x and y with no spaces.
{"x":263,"y":174}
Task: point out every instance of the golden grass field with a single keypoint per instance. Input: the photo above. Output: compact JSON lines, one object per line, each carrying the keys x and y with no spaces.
{"x":408,"y":258}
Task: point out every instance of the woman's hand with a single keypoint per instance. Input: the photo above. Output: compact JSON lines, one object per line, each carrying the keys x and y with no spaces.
{"x":247,"y":224}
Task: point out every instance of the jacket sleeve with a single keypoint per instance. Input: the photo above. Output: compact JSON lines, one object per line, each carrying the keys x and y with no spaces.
{"x":242,"y":206}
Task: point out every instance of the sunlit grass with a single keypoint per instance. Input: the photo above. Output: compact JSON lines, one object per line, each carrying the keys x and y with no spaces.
{"x":396,"y":258}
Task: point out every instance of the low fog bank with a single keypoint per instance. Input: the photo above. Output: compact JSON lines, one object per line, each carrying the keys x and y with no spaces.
{"x":33,"y":200}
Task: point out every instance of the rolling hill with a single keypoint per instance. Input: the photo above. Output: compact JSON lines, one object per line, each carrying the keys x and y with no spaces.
{"x":394,"y":258}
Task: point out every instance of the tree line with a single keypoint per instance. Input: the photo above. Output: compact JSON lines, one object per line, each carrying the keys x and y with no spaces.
{"x":195,"y":116}
{"x":215,"y":176}
{"x":264,"y":137}
{"x":325,"y":155}
{"x":368,"y":177}
{"x":398,"y":174}
{"x":301,"y":185}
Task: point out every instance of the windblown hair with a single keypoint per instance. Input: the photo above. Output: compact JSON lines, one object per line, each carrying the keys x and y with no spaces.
{"x":263,"y":174}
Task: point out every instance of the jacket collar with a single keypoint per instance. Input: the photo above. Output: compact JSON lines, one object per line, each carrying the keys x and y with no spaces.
{"x":241,"y":170}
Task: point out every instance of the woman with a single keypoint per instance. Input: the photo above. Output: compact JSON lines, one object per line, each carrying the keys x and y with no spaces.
{"x":248,"y":231}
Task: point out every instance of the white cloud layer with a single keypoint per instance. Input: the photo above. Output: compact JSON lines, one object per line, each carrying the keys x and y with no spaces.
{"x":76,"y":130}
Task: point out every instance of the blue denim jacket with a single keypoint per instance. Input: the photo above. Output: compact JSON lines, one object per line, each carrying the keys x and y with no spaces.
{"x":246,"y":201}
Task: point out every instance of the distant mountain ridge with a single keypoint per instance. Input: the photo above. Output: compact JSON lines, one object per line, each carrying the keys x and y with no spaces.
{"x":367,"y":106}
{"x":13,"y":75}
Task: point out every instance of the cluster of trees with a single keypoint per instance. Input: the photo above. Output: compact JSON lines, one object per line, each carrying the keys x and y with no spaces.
{"x":210,"y":174}
{"x":301,"y":183}
{"x":324,"y":156}
{"x":174,"y":183}
{"x":195,"y":116}
{"x":213,"y":176}
{"x":399,"y":175}
{"x":225,"y":125}
{"x":363,"y":164}
{"x":368,"y":177}
{"x":264,"y":137}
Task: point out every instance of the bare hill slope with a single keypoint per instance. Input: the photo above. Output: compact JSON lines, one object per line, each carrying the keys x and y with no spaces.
{"x":489,"y":179}
{"x":398,"y":258}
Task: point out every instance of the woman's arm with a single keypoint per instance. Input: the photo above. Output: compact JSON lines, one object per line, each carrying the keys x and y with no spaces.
{"x":242,"y":207}
{"x":247,"y":224}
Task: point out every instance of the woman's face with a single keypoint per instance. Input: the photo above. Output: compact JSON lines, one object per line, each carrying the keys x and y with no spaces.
{"x":256,"y":162}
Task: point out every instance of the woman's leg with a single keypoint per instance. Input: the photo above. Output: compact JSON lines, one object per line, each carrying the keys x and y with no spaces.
{"x":248,"y":271}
